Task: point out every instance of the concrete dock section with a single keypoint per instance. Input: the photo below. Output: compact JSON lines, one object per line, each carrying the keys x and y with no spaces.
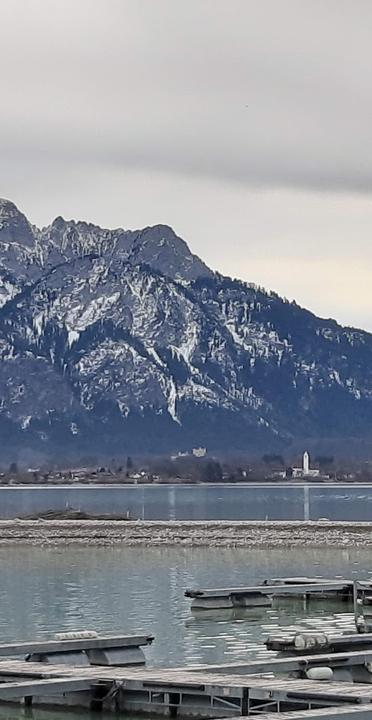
{"x":186,"y":692}
{"x":311,"y":641}
{"x":84,"y":670}
{"x":262,"y":595}
{"x":96,"y":650}
{"x":341,"y":713}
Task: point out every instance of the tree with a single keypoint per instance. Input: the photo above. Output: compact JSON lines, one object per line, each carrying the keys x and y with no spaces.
{"x":273,"y":460}
{"x":324,"y":461}
{"x":211,"y":471}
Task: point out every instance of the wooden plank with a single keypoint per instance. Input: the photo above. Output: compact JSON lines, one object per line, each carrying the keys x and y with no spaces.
{"x":334,"y":586}
{"x":288,"y":664}
{"x":344,"y":713}
{"x":211,"y":683}
{"x":51,"y":646}
{"x":302,"y":580}
{"x":14,"y":690}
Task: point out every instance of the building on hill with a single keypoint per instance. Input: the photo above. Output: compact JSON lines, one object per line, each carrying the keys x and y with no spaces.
{"x":199,"y":452}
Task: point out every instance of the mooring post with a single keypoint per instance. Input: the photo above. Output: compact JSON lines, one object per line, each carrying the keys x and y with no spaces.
{"x":245,"y":702}
{"x":355,"y":602}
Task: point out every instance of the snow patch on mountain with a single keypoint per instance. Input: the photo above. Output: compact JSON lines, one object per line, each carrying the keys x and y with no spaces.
{"x":122,"y":339}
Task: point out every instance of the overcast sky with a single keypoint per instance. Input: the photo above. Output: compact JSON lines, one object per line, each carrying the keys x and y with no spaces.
{"x":244,"y":124}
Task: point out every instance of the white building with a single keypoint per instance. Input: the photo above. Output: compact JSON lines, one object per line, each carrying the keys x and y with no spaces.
{"x":199,"y":452}
{"x":305,"y":470}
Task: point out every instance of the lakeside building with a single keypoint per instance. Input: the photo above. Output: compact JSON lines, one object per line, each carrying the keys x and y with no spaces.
{"x":305,"y":470}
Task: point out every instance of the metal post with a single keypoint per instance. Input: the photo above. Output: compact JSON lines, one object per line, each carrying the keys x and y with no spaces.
{"x":355,"y":602}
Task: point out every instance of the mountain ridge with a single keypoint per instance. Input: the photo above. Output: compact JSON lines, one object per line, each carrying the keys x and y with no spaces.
{"x":125,"y":341}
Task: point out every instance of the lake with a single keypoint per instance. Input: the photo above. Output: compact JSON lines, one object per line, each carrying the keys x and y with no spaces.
{"x":249,"y":501}
{"x":126,"y":590}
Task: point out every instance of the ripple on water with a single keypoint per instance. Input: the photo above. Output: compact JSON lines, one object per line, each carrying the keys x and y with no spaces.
{"x":141,"y":589}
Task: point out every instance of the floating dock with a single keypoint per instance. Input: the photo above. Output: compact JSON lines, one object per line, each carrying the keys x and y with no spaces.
{"x":105,"y":681}
{"x":354,"y":666}
{"x":341,"y":713}
{"x":89,"y":650}
{"x":83,"y":669}
{"x":182,"y":692}
{"x":312,"y":641}
{"x":262,"y":595}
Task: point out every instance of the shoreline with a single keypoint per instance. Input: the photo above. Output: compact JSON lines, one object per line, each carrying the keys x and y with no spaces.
{"x":187,"y":533}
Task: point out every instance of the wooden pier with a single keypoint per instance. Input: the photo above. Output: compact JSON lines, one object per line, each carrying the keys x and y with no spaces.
{"x":355,"y":666}
{"x":230,"y":690}
{"x":262,"y":595}
{"x":338,"y":713}
{"x":188,"y":693}
{"x":86,"y":670}
{"x":96,"y":650}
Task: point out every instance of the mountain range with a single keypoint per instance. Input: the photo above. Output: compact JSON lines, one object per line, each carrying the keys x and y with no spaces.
{"x":122,"y":341}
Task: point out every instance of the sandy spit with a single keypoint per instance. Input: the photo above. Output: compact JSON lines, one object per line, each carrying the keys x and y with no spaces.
{"x":222,"y":533}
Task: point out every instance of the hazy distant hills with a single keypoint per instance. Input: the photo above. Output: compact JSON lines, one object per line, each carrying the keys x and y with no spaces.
{"x":116,"y":341}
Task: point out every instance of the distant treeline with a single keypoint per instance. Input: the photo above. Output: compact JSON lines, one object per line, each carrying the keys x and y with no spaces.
{"x":186,"y":468}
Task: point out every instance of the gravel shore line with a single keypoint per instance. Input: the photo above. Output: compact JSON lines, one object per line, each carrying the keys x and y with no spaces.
{"x":222,"y":533}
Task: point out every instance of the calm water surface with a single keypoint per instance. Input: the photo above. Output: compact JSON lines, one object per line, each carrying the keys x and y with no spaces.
{"x":224,"y":501}
{"x":126,"y":590}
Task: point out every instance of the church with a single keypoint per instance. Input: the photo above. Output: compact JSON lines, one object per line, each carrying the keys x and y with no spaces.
{"x":305,"y":470}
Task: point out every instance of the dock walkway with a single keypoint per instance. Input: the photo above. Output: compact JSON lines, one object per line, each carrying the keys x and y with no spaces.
{"x":261,"y":595}
{"x":83,"y":669}
{"x":206,"y":693}
{"x":341,"y":713}
{"x":91,"y":650}
{"x":290,"y":664}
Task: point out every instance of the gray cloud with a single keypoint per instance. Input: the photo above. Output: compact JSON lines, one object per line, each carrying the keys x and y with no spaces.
{"x":265,"y":93}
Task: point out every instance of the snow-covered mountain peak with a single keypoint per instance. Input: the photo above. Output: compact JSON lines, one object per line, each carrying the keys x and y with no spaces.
{"x":61,"y":241}
{"x":14,"y":226}
{"x":160,"y":247}
{"x":157,"y":246}
{"x":124,"y":341}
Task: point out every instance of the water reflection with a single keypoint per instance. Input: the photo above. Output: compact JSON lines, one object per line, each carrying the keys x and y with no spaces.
{"x":226,"y":614}
{"x":197,"y":502}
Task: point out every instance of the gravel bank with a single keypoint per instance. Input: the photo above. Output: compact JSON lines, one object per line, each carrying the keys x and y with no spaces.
{"x":223,"y":533}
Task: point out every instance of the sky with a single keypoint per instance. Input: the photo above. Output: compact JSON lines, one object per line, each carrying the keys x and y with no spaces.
{"x":243,"y":124}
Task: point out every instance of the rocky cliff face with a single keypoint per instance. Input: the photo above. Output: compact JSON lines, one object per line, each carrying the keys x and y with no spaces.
{"x":118,"y":341}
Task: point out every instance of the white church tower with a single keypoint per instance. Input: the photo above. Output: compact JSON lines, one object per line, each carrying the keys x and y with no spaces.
{"x":305,"y":463}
